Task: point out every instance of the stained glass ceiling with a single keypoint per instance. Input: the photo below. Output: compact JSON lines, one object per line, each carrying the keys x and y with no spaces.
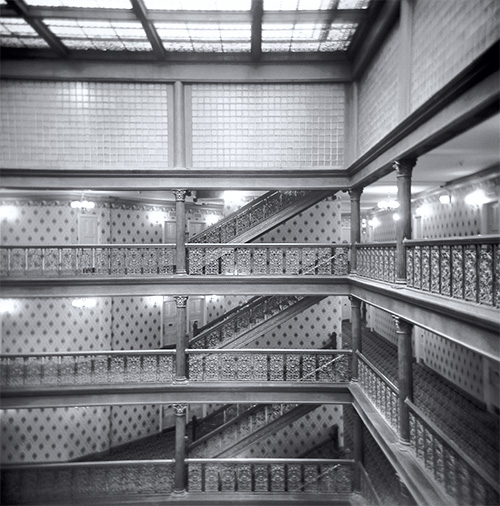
{"x":164,"y":29}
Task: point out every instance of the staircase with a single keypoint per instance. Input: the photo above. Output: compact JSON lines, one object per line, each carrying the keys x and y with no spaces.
{"x":238,"y":434}
{"x":260,"y":215}
{"x":243,"y":324}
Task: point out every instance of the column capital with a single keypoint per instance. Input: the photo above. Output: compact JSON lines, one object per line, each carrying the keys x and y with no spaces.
{"x":180,"y":409}
{"x":355,"y":193}
{"x":180,"y":301}
{"x":404,"y":167}
{"x":402,"y":326}
{"x":180,"y":195}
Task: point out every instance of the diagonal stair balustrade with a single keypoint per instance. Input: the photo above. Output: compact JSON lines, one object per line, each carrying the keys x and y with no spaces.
{"x":245,"y":323}
{"x":246,"y":428}
{"x":260,"y":215}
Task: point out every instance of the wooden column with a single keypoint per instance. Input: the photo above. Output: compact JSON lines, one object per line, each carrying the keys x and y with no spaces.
{"x":180,"y":449}
{"x":403,"y":169}
{"x":179,"y":126}
{"x":405,"y":375}
{"x":356,"y":335}
{"x":358,"y":449}
{"x":355,"y":195}
{"x":405,"y":58}
{"x":180,"y":231}
{"x":180,"y":353}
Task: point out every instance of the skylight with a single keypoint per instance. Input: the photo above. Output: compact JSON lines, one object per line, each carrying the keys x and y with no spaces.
{"x":15,"y":32}
{"x":91,"y":4}
{"x":199,"y":5}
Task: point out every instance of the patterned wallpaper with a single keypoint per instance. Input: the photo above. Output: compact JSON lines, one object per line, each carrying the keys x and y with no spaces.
{"x":84,"y":124}
{"x":300,"y":435}
{"x":267,"y":125}
{"x":62,"y":434}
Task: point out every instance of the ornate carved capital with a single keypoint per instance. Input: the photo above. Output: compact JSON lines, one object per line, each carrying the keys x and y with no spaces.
{"x":180,"y":300}
{"x":402,"y":326}
{"x":180,"y":409}
{"x":355,"y":193}
{"x":404,"y":167}
{"x":180,"y":195}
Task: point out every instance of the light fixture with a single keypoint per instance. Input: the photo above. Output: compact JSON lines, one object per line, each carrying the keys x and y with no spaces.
{"x":477,"y":198}
{"x":82,"y":204}
{"x":233,"y":197}
{"x":373,"y":222}
{"x":84,"y":302}
{"x":423,"y":211}
{"x":8,"y":212}
{"x":396,"y":217}
{"x":388,"y":204}
{"x":156,"y":216}
{"x":212,"y":219}
{"x":445,"y":198}
{"x":7,"y":306}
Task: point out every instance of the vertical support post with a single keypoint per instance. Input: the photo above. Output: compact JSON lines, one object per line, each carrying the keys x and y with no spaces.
{"x":180,"y":354}
{"x":403,"y":169}
{"x":179,"y":126}
{"x":405,"y":58}
{"x":180,"y":231}
{"x":358,"y":449}
{"x":356,"y":335}
{"x":180,"y":449}
{"x":355,"y":195}
{"x":405,"y":375}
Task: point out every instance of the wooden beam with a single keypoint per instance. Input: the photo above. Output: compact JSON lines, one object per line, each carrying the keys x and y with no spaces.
{"x":154,"y":39}
{"x":55,"y":43}
{"x":257,"y":12}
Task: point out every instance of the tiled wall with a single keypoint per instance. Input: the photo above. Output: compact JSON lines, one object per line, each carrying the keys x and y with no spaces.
{"x":84,"y":124}
{"x":447,"y":36}
{"x":378,"y":95}
{"x":267,"y":125}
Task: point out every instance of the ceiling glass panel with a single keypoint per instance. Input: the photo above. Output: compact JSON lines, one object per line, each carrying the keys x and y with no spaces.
{"x":199,"y":5}
{"x":353,"y":4}
{"x":94,"y":4}
{"x":15,"y":32}
{"x":297,"y":5}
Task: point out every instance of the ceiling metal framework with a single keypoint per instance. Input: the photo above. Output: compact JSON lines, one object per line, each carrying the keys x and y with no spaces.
{"x":246,"y":31}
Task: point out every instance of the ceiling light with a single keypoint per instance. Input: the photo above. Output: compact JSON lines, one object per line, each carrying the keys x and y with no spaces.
{"x":388,"y":204}
{"x":445,"y":198}
{"x":82,"y":204}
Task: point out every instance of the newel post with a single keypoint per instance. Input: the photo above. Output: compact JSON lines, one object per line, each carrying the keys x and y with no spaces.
{"x":404,"y":170}
{"x":180,"y":449}
{"x":180,"y":231}
{"x":180,"y":353}
{"x":356,"y":335}
{"x":405,"y":375}
{"x":355,"y":196}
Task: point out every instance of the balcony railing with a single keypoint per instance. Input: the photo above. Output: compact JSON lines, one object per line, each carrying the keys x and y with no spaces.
{"x":466,"y":268}
{"x":380,"y":390}
{"x":87,"y":260}
{"x":87,"y":368}
{"x":268,"y":259}
{"x":294,"y":476}
{"x":269,"y":365}
{"x":460,"y":476}
{"x":377,"y":261}
{"x":62,"y":483}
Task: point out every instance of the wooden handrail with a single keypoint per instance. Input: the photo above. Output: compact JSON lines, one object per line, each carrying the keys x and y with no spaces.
{"x":382,"y":244}
{"x":84,"y":246}
{"x":76,"y":465}
{"x":87,"y":353}
{"x":474,"y":465}
{"x":450,"y":241}
{"x":382,"y":376}
{"x":263,"y":351}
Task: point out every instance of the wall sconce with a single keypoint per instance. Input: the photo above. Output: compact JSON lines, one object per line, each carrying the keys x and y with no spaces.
{"x":423,"y":211}
{"x":7,"y":306}
{"x":477,"y":198}
{"x":445,"y":198}
{"x":8,"y":212}
{"x":84,"y":303}
{"x":363,"y":226}
{"x":374,"y":222}
{"x":396,"y":217}
{"x":156,"y":216}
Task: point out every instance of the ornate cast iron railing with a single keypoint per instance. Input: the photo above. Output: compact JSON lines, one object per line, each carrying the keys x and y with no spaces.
{"x":377,"y":261}
{"x":268,"y":259}
{"x":87,"y":368}
{"x":317,"y":476}
{"x":269,"y":365}
{"x":465,"y":268}
{"x":249,"y":216}
{"x":61,"y":483}
{"x":237,"y":428}
{"x":458,"y":474}
{"x":87,"y":260}
{"x":234,"y":323}
{"x":380,"y":390}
